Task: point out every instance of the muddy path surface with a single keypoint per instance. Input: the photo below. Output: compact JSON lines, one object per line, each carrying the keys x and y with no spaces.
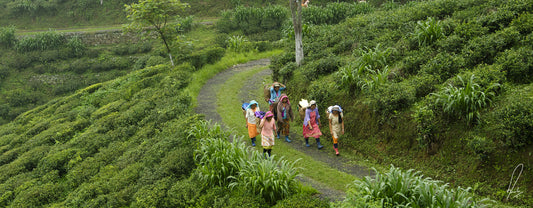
{"x":207,"y":99}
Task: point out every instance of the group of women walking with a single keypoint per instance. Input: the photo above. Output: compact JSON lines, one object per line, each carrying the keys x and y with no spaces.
{"x":276,"y":121}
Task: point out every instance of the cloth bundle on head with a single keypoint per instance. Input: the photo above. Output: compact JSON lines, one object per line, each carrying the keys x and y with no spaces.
{"x":269,"y":114}
{"x":334,"y":108}
{"x":260,"y":114}
{"x":251,"y":103}
{"x":244,"y":106}
{"x":303,"y":103}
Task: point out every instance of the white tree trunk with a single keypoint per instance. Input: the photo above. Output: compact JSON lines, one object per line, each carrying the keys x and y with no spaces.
{"x":101,"y":2}
{"x":296,"y":11}
{"x":171,"y":60}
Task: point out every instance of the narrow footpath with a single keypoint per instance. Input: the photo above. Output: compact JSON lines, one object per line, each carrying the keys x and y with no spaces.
{"x":207,"y":99}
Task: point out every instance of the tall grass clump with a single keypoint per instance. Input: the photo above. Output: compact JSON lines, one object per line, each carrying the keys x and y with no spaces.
{"x":429,"y":31}
{"x":235,"y":165}
{"x":271,"y":179}
{"x":237,"y":43}
{"x":399,"y":188}
{"x":41,"y":42}
{"x":7,"y":36}
{"x":369,"y":71}
{"x":467,"y":100}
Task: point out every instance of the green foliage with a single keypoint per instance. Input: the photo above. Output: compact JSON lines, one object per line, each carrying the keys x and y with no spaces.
{"x":466,"y":100}
{"x":206,"y":56}
{"x":399,"y":188}
{"x":252,"y":20}
{"x":334,"y":12}
{"x":443,"y":66}
{"x":391,"y":98}
{"x":518,"y":64}
{"x":301,"y":200}
{"x":425,"y":126}
{"x":41,"y":42}
{"x":76,"y":46}
{"x":514,"y":121}
{"x":235,"y":165}
{"x":272,"y":179}
{"x":482,"y":146}
{"x":238,"y":44}
{"x":429,"y":31}
{"x":7,"y":36}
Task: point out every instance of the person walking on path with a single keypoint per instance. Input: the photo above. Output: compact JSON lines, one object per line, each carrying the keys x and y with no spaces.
{"x":268,"y":124}
{"x":284,"y":116}
{"x":311,"y":126}
{"x":251,"y":120}
{"x":275,"y":94}
{"x":336,"y":125}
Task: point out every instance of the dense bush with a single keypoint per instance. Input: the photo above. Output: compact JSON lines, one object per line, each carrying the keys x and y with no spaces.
{"x":515,"y":119}
{"x":251,"y":20}
{"x":334,"y":12}
{"x":518,"y":64}
{"x":425,"y":126}
{"x":392,"y":97}
{"x":482,"y":146}
{"x":206,"y":56}
{"x":7,"y":37}
{"x":41,"y":41}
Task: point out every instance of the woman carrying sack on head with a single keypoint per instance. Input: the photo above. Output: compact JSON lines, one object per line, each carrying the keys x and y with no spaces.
{"x":284,"y":116}
{"x":336,"y":125}
{"x":251,"y":122}
{"x":312,"y":124}
{"x":268,"y":124}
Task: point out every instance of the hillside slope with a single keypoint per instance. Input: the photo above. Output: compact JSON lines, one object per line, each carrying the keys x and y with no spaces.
{"x":440,"y":86}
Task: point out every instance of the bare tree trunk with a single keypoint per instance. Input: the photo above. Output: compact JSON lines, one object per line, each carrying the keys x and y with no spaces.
{"x":296,"y":11}
{"x":101,"y":2}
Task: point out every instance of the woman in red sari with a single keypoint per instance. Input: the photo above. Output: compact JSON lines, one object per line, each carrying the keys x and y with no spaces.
{"x":311,"y":127}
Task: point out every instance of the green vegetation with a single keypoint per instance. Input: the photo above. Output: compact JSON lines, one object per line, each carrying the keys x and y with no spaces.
{"x":398,"y":188}
{"x":427,"y":85}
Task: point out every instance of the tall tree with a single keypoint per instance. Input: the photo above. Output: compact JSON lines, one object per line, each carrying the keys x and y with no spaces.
{"x":296,"y":11}
{"x":155,"y":15}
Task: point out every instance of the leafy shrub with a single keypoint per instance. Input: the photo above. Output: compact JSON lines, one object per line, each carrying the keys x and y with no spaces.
{"x":483,"y":49}
{"x":185,"y":24}
{"x":424,"y":84}
{"x":206,"y":56}
{"x":20,"y":97}
{"x":4,"y":72}
{"x":76,"y":46}
{"x":334,"y":13}
{"x":251,"y":20}
{"x":238,"y":44}
{"x":399,"y":188}
{"x":7,"y":36}
{"x":287,"y":71}
{"x":41,"y":41}
{"x":278,"y":62}
{"x":392,"y":97}
{"x":482,"y":146}
{"x":425,"y":126}
{"x":429,"y":31}
{"x":467,"y":100}
{"x":515,"y":120}
{"x":518,"y":63}
{"x":302,"y":201}
{"x":413,"y":60}
{"x":443,"y":65}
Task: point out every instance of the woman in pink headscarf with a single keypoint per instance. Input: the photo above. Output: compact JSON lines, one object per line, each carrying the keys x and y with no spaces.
{"x":311,"y":127}
{"x":268,"y":123}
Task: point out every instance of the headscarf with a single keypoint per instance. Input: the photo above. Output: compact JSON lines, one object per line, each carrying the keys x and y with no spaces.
{"x":269,"y":114}
{"x":313,"y":102}
{"x":251,"y":103}
{"x":284,"y":96}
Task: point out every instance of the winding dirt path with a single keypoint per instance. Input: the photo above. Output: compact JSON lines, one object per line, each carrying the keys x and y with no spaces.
{"x":207,"y":105}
